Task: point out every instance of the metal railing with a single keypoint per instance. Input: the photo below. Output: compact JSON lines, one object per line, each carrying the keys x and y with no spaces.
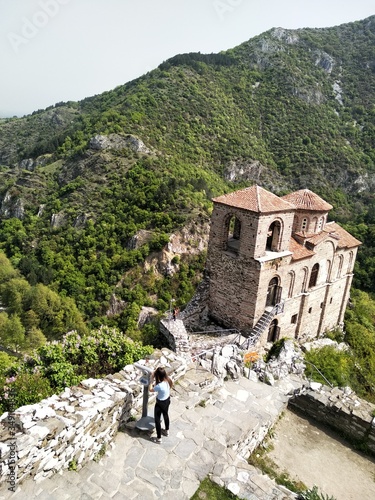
{"x":317,"y":369}
{"x":263,"y":323}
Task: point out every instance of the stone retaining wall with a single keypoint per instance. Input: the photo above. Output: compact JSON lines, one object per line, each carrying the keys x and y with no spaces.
{"x":73,"y":427}
{"x":176,"y":335}
{"x":340,"y":409}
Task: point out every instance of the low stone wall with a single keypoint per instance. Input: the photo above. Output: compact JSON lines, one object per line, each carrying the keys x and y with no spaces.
{"x":176,"y":335}
{"x":341,"y":410}
{"x":73,"y":427}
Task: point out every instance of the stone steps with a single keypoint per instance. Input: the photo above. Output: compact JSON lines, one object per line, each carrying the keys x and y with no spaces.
{"x":213,"y":429}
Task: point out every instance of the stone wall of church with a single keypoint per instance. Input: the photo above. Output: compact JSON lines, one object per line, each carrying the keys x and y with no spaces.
{"x":232,"y":302}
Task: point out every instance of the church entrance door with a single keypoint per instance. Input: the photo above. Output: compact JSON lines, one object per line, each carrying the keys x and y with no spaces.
{"x":273,"y":331}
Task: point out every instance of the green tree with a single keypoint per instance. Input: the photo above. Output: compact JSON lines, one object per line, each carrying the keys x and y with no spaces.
{"x":12,"y":332}
{"x":7,"y":271}
{"x":12,"y":294}
{"x":34,"y":338}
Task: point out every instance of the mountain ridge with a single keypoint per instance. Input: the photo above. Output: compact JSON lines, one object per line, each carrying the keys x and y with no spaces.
{"x":287,"y":109}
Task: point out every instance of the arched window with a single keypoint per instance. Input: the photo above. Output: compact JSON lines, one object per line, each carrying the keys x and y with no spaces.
{"x":314,"y":275}
{"x":304,"y":224}
{"x":273,"y":331}
{"x":339,"y":269}
{"x":233,"y":234}
{"x":304,"y":279}
{"x":350,"y":263}
{"x":273,"y":292}
{"x":273,"y":236}
{"x":320,"y":224}
{"x":292,"y":278}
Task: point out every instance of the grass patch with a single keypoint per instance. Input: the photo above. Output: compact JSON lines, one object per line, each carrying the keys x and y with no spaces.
{"x":263,"y":462}
{"x":100,"y":453}
{"x":73,"y":465}
{"x":208,"y":490}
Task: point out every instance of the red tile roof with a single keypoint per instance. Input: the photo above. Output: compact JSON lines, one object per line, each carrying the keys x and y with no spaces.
{"x":346,"y":240}
{"x":299,"y":251}
{"x":307,"y":200}
{"x":331,"y":230}
{"x":255,"y":199}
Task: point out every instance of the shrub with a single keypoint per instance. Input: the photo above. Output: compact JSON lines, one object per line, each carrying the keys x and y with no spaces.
{"x":5,"y":362}
{"x":336,"y":366}
{"x":96,"y":354}
{"x":23,"y":389}
{"x":337,"y":334}
{"x":313,"y":494}
{"x":57,"y":365}
{"x":275,"y":349}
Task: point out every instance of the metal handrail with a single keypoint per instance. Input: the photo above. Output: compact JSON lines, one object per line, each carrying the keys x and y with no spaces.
{"x":317,"y":369}
{"x":221,"y":332}
{"x":277,"y":309}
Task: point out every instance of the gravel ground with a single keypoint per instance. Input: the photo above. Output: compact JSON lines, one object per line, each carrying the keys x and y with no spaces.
{"x":315,"y":455}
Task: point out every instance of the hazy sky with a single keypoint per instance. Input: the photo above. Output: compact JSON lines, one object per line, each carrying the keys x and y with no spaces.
{"x":60,"y":50}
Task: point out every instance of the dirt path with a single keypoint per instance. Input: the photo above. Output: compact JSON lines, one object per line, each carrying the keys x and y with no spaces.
{"x":316,"y":456}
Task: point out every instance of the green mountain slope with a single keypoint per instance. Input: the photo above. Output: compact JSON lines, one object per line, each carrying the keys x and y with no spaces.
{"x":287,"y":109}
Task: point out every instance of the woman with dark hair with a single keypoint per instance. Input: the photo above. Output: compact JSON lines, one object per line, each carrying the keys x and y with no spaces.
{"x":162,"y":385}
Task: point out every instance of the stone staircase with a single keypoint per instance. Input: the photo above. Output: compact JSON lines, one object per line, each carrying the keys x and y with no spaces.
{"x":214,"y":427}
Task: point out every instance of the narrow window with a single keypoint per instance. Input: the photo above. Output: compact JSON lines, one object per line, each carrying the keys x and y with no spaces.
{"x":310,"y":310}
{"x":339,"y":270}
{"x":304,"y":224}
{"x":294,"y":319}
{"x":291,"y":283}
{"x":314,"y":275}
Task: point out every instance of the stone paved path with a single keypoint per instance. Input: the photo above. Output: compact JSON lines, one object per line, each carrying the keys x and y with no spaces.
{"x":206,"y":436}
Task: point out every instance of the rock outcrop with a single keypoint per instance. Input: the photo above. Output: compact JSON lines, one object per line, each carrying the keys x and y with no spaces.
{"x":12,"y":206}
{"x":118,"y":142}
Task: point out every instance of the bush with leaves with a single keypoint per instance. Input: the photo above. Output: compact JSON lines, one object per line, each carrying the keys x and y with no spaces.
{"x":76,"y":357}
{"x":23,"y":389}
{"x":313,"y":494}
{"x":336,"y":366}
{"x":102,"y":351}
{"x":57,"y":365}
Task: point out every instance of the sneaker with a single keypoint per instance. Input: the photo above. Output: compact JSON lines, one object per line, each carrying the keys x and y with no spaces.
{"x":157,"y":440}
{"x":165,"y":432}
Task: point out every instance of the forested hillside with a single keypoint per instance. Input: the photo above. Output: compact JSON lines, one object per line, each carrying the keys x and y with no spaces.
{"x":79,"y":181}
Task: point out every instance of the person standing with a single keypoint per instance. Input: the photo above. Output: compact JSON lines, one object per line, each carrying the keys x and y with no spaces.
{"x":162,"y":385}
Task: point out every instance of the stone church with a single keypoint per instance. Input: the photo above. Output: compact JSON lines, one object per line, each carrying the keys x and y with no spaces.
{"x":276,"y":266}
